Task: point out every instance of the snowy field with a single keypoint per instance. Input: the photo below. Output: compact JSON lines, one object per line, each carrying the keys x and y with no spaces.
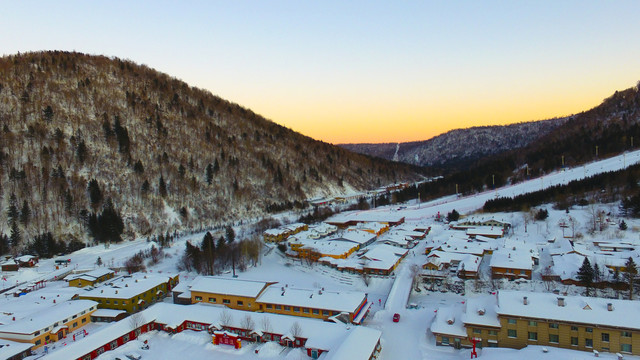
{"x":407,"y":339}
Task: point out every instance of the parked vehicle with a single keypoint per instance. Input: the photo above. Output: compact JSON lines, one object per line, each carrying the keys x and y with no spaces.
{"x":396,"y":317}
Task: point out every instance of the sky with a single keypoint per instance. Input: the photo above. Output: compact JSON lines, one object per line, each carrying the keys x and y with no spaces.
{"x":360,"y":71}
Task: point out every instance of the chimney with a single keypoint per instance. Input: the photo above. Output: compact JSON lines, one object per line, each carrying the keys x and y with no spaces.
{"x":560,"y":301}
{"x":525,"y":300}
{"x":610,"y":306}
{"x":481,"y":311}
{"x":450,"y":321}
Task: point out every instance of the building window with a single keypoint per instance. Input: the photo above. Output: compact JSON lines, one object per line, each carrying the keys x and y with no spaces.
{"x":605,"y":337}
{"x":240,"y":303}
{"x":296,"y":309}
{"x":574,"y":328}
{"x":74,"y":316}
{"x":533,"y":323}
{"x":109,"y":301}
{"x":212,"y":300}
{"x":325,"y":313}
{"x":316,"y":312}
{"x":574,"y":341}
{"x":113,"y":345}
{"x":269,"y":306}
{"x":625,"y":348}
{"x":626,"y":334}
{"x":533,"y":336}
{"x":477,"y":331}
{"x":445,"y":340}
{"x":589,"y":330}
{"x":305,"y":310}
{"x":38,"y":342}
{"x":47,"y":338}
{"x":554,"y":338}
{"x":511,"y":321}
{"x":588,"y":342}
{"x":115,"y":302}
{"x":198,"y":298}
{"x":226,"y":301}
{"x":493,"y":332}
{"x":75,"y":324}
{"x":36,"y":333}
{"x":553,"y":325}
{"x":84,"y":320}
{"x":125,"y":338}
{"x":287,"y":308}
{"x":278,"y":307}
{"x":512,"y":333}
{"x":493,"y":344}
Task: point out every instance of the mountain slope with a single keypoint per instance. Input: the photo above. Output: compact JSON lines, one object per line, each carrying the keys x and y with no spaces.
{"x":168,"y":155}
{"x":461,"y":147}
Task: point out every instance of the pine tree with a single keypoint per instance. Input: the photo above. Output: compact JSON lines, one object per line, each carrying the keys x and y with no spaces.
{"x":623,"y":225}
{"x":453,"y":216}
{"x":586,"y":274}
{"x":95,"y":194}
{"x":25,"y":213}
{"x":162,"y":187}
{"x":145,"y":187}
{"x":68,"y":201}
{"x":47,"y":114}
{"x":629,"y":274}
{"x":230,"y":234}
{"x":16,"y":237}
{"x":209,"y":252}
{"x":81,"y":152}
{"x":12,"y":211}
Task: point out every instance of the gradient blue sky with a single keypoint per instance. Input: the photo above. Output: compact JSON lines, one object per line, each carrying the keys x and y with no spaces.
{"x":360,"y":71}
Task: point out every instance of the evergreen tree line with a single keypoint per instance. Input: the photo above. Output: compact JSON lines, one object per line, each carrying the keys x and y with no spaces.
{"x":618,"y":185}
{"x":590,"y":276}
{"x":213,"y":256}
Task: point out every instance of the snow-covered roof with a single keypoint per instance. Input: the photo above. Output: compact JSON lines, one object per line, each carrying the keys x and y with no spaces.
{"x":90,"y":275}
{"x":237,"y":287}
{"x":326,"y":247}
{"x":481,"y":310}
{"x":365,"y":216}
{"x":47,"y":317}
{"x":577,"y":309}
{"x":356,"y":236}
{"x":383,"y":256}
{"x":511,"y":260}
{"x":359,"y":344}
{"x":25,"y":258}
{"x":110,"y":313}
{"x":560,"y":246}
{"x":9,"y":349}
{"x":126,"y":287}
{"x":448,"y":321}
{"x":347,"y":301}
{"x":485,"y":230}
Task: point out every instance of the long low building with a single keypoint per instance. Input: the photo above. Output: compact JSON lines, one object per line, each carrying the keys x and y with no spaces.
{"x":314,"y":336}
{"x":265,"y":296}
{"x":131,"y":293}
{"x":51,"y":324}
{"x":517,"y":319}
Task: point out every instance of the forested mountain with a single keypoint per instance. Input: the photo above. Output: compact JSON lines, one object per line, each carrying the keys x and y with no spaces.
{"x":459,"y":148}
{"x":101,"y":148}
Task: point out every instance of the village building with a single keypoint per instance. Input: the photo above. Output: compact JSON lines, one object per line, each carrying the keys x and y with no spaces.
{"x":27,"y":260}
{"x":10,"y":265}
{"x":231,"y":328}
{"x":11,"y":350}
{"x":250,"y":295}
{"x":511,"y":265}
{"x":442,"y":264}
{"x":486,"y":231}
{"x":283,"y":232}
{"x":347,"y":219}
{"x":108,"y":315}
{"x":90,"y":278}
{"x":131,"y":293}
{"x":378,"y":259}
{"x":233,"y":293}
{"x":51,"y":324}
{"x":517,"y":319}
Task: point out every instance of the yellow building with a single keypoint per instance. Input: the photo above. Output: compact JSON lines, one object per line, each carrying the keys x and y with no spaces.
{"x":264,"y":296}
{"x":132,"y":293}
{"x":51,"y":324}
{"x":233,"y":293}
{"x":90,"y":278}
{"x":524,"y":318}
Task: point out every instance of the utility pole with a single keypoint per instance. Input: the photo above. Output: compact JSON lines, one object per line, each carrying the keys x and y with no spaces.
{"x":493,"y":181}
{"x":596,"y":151}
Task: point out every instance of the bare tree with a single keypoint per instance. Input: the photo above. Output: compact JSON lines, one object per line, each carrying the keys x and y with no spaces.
{"x":136,"y":320}
{"x":548,"y":278}
{"x":226,"y":318}
{"x":296,"y":329}
{"x":247,"y":323}
{"x":265,"y":325}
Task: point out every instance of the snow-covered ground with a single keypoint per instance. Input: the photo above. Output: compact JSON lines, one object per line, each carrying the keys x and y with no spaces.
{"x":407,"y":339}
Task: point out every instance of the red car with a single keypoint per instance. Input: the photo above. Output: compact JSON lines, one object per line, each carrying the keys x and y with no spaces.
{"x":396,"y":317}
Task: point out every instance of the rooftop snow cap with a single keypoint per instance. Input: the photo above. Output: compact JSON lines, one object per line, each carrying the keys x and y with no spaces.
{"x":560,"y":301}
{"x":525,"y":300}
{"x":481,"y":311}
